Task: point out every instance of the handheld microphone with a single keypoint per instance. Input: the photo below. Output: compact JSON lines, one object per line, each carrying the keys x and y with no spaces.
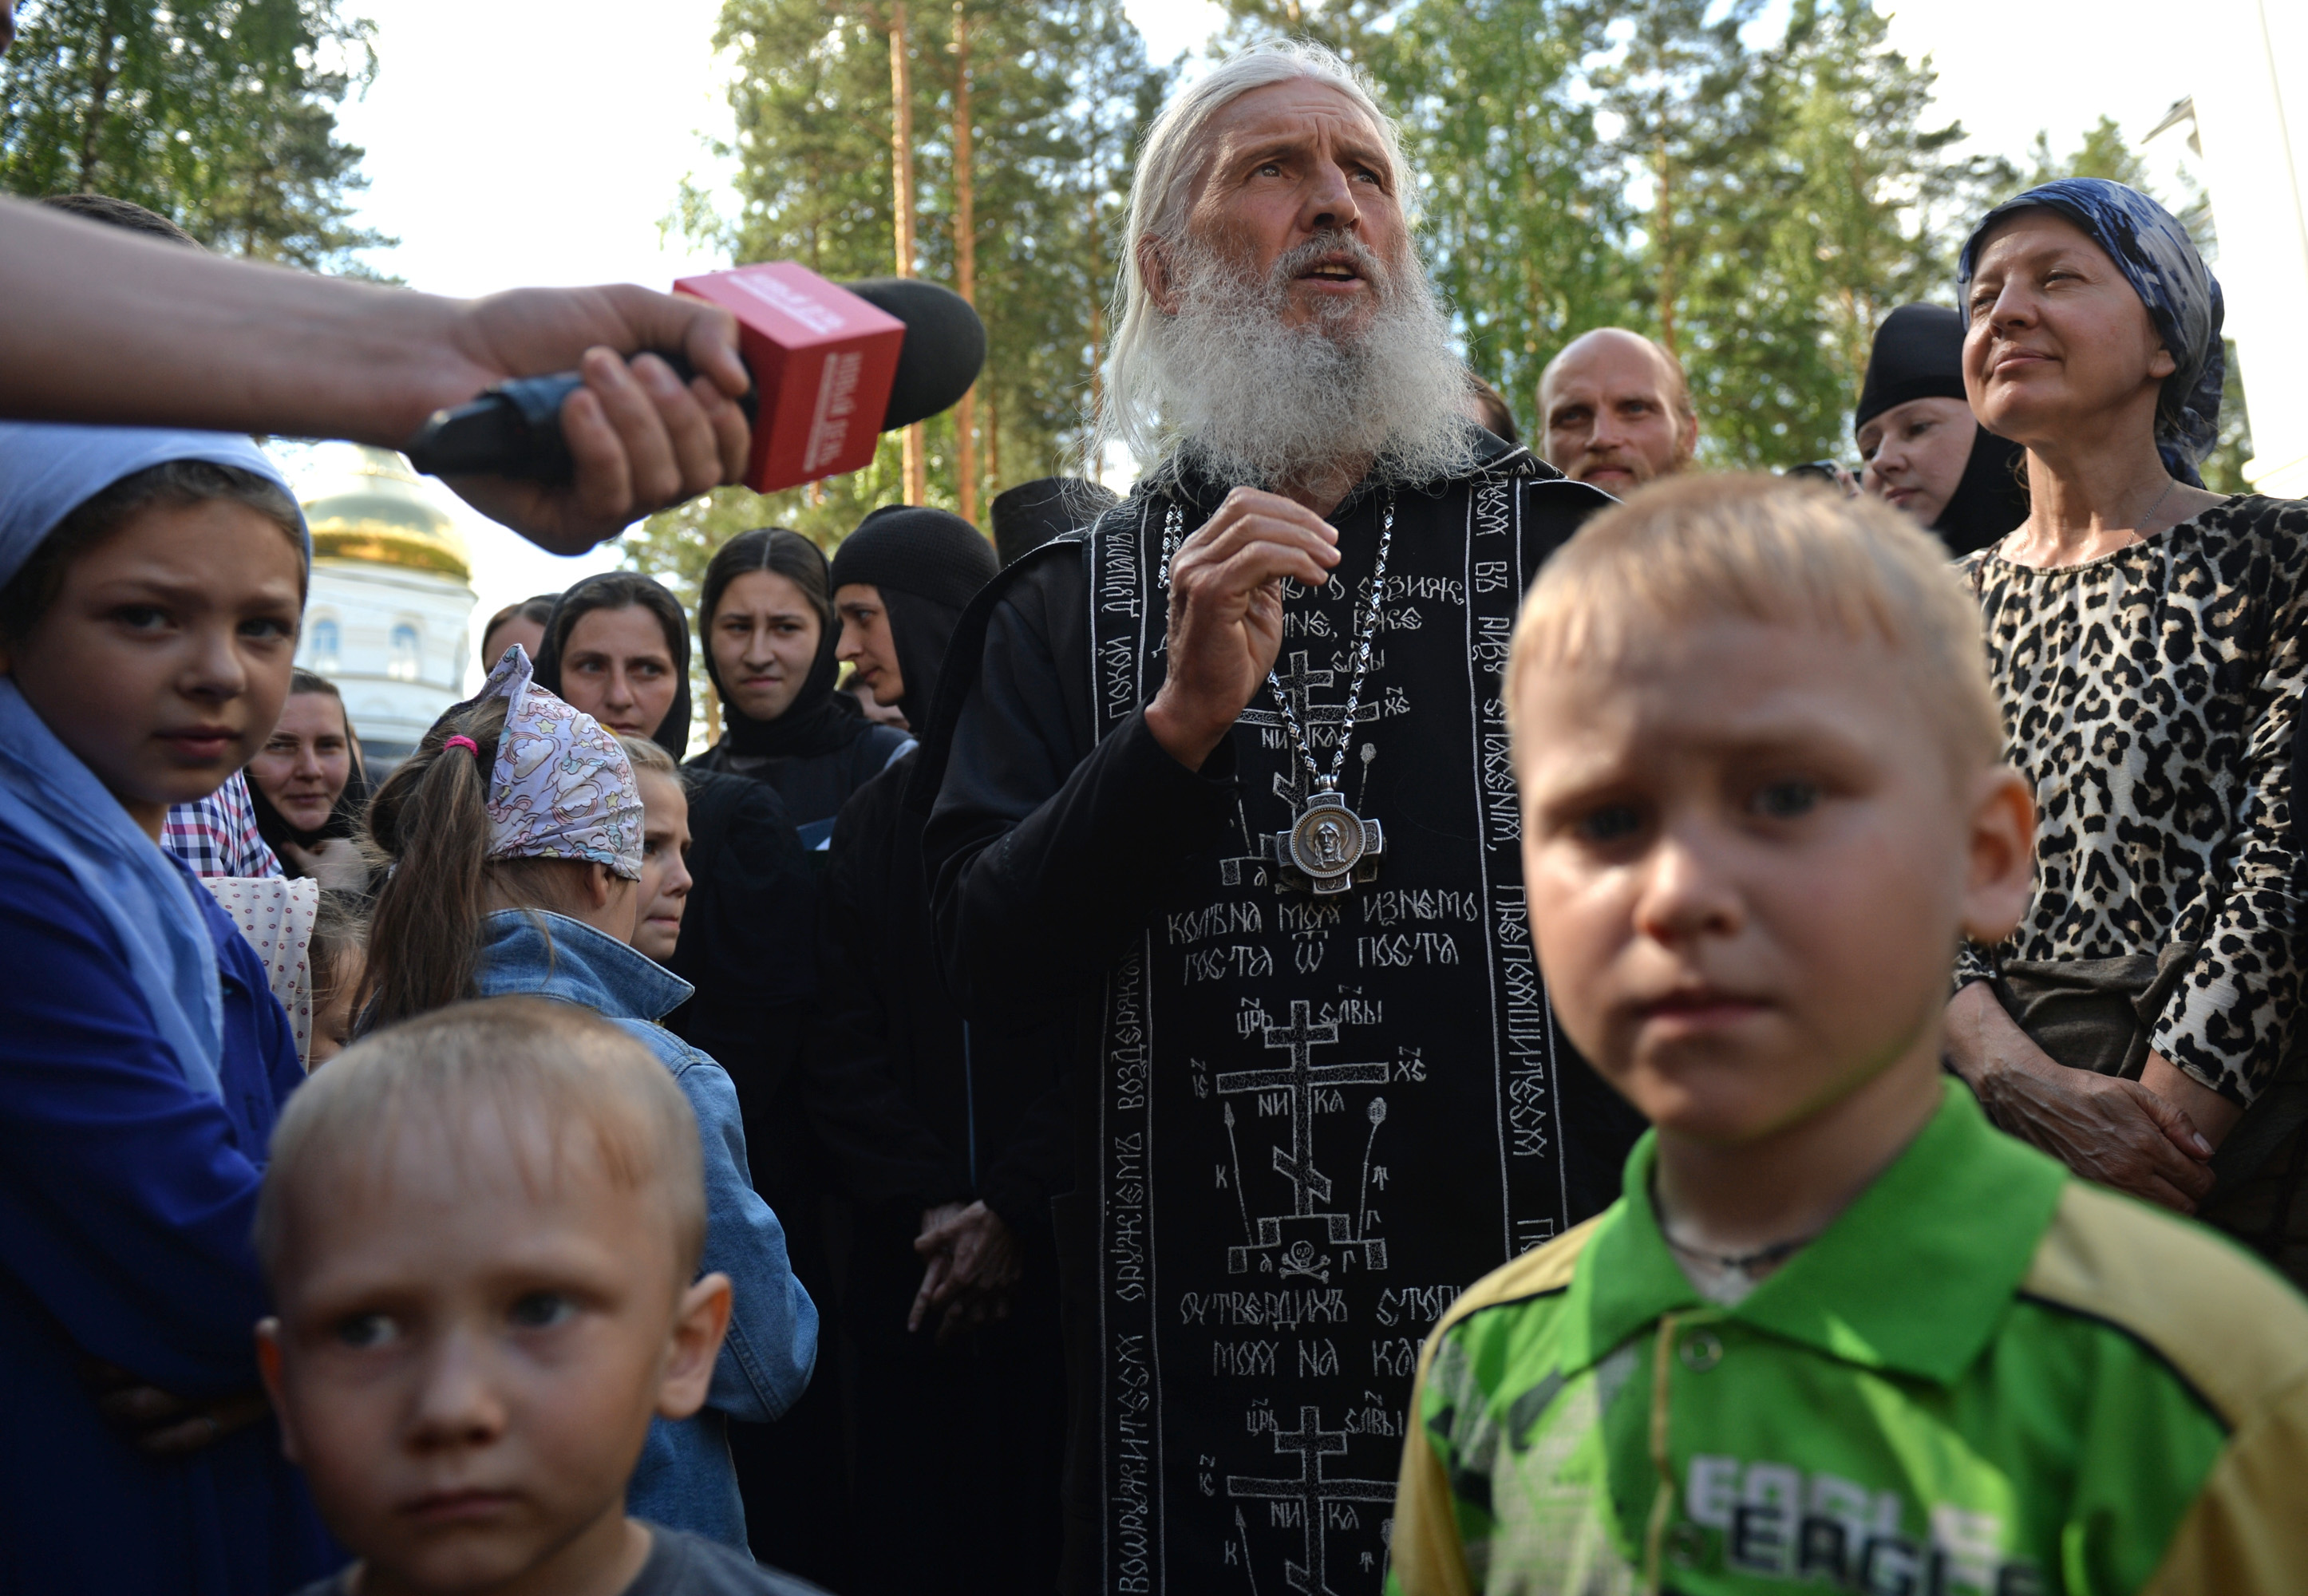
{"x":833,"y":367}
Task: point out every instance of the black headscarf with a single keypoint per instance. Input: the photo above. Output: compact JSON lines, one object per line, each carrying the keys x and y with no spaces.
{"x":815,"y":723}
{"x":622,"y":590}
{"x":927,"y":566}
{"x":1028,"y":515}
{"x":1918,"y":354}
{"x":344,"y":815}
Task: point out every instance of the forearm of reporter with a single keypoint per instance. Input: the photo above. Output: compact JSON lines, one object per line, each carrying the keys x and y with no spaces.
{"x":107,"y":326}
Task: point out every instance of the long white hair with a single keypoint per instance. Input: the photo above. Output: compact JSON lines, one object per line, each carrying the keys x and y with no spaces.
{"x":1161,"y":191}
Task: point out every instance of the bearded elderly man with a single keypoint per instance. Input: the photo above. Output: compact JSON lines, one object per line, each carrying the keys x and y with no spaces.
{"x":1228,"y":771}
{"x":1615,"y":410}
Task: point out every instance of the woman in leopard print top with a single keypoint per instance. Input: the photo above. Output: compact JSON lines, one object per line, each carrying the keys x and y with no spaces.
{"x":2145,"y":637}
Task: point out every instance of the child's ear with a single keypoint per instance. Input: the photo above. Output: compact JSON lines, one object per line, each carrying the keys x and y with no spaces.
{"x":267,"y":1365}
{"x":2000,"y":877}
{"x":699,"y":1322}
{"x":600,"y":886}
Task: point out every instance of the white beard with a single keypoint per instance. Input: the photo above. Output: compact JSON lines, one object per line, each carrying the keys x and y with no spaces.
{"x":1254,"y":402}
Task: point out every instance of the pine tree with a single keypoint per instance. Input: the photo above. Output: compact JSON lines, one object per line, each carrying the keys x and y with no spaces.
{"x":1059,"y":94}
{"x":218,"y":113}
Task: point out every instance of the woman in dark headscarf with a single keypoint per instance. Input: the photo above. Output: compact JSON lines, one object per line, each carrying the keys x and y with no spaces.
{"x":310,"y":787}
{"x":2146,"y":639}
{"x":1924,"y":450}
{"x":765,"y":614}
{"x":948,"y":1138}
{"x":617,"y":647}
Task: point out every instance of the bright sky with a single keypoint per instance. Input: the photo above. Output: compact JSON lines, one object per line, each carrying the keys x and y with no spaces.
{"x":512,"y":143}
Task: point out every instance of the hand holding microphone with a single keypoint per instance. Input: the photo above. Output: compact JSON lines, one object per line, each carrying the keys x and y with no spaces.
{"x":829,"y":369}
{"x":639,"y":437}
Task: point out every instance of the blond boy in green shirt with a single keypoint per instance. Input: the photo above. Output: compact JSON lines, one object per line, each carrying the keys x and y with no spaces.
{"x":1838,"y":1333}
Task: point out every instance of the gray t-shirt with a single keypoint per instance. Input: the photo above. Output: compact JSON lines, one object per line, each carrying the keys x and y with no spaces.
{"x":679,"y":1564}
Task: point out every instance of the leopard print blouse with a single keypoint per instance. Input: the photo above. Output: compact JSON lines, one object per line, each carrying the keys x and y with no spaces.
{"x":2150,"y":696}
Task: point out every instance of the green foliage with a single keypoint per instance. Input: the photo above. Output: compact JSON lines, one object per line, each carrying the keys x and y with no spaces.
{"x":1059,"y":94}
{"x":1832,"y":203}
{"x":1524,"y":214}
{"x":221,"y":115}
{"x":1757,"y":207}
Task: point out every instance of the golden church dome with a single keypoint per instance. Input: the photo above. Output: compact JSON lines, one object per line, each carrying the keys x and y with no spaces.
{"x":373,"y":512}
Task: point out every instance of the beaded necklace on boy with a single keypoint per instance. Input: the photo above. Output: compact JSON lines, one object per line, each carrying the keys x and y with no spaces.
{"x":1327,"y":848}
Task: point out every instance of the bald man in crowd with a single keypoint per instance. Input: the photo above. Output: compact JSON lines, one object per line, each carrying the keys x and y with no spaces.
{"x":1615,"y":410}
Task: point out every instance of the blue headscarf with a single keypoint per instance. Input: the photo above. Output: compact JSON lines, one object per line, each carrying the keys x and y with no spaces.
{"x":2158,"y":259}
{"x":53,"y":802}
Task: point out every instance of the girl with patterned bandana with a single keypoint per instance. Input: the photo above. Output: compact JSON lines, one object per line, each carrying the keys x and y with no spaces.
{"x":515,"y":834}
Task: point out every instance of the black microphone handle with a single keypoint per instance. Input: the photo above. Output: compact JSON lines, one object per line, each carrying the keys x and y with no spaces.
{"x":514,"y":428}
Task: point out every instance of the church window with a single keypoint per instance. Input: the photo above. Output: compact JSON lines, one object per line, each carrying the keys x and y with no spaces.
{"x":407,"y":663}
{"x":328,"y":645}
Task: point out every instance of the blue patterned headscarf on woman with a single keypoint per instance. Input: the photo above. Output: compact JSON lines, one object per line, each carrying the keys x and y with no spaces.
{"x":2158,"y":259}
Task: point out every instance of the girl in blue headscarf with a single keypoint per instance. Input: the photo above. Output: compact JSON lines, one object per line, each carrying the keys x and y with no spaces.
{"x":151,"y":586}
{"x":2146,"y":639}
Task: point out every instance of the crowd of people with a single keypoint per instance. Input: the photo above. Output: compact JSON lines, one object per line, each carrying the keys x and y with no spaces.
{"x":1390,"y":1009}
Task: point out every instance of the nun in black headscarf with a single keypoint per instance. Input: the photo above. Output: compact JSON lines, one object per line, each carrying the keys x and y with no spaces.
{"x":765,"y":614}
{"x":947,"y":1138}
{"x":1923,"y":449}
{"x":746,"y":946}
{"x":914,"y":571}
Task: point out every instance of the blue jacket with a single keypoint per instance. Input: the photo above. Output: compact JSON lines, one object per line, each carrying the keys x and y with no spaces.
{"x":126,"y":1203}
{"x":685,"y":1479}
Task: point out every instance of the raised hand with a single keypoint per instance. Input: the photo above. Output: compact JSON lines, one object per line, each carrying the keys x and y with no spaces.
{"x":642,"y":439}
{"x":1225,"y":613}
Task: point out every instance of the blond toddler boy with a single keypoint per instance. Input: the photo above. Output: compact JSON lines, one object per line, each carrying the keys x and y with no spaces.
{"x":1838,"y":1333}
{"x":482,"y":1230}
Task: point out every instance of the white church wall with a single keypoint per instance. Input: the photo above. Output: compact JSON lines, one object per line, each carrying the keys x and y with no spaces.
{"x":393,"y":641}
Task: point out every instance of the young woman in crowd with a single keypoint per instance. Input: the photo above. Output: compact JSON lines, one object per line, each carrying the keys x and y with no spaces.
{"x":515,"y":833}
{"x":153,"y":583}
{"x":766,"y":616}
{"x":2146,"y":637}
{"x":1922,"y":448}
{"x":617,"y":647}
{"x":309,"y":786}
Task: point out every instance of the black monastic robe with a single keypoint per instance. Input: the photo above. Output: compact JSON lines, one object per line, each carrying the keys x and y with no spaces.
{"x":1301,"y":1124}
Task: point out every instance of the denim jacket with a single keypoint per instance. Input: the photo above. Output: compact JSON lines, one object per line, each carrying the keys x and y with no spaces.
{"x":684,"y":1478}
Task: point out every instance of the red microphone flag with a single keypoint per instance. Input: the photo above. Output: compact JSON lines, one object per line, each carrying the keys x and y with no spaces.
{"x":823,"y":361}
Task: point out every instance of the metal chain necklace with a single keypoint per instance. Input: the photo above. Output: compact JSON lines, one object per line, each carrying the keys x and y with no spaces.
{"x":1329,"y":848}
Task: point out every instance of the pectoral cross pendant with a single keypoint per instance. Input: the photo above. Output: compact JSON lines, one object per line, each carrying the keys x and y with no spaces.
{"x":1329,"y":848}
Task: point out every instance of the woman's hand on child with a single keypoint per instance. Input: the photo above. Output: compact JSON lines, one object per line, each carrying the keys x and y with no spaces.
{"x":2104,"y":1127}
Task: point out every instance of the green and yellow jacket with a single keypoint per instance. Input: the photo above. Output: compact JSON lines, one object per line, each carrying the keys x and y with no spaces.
{"x":1986,"y":1379}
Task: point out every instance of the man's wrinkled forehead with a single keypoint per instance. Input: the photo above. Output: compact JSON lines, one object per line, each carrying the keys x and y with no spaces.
{"x":1280,"y":119}
{"x":1608,"y":369}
